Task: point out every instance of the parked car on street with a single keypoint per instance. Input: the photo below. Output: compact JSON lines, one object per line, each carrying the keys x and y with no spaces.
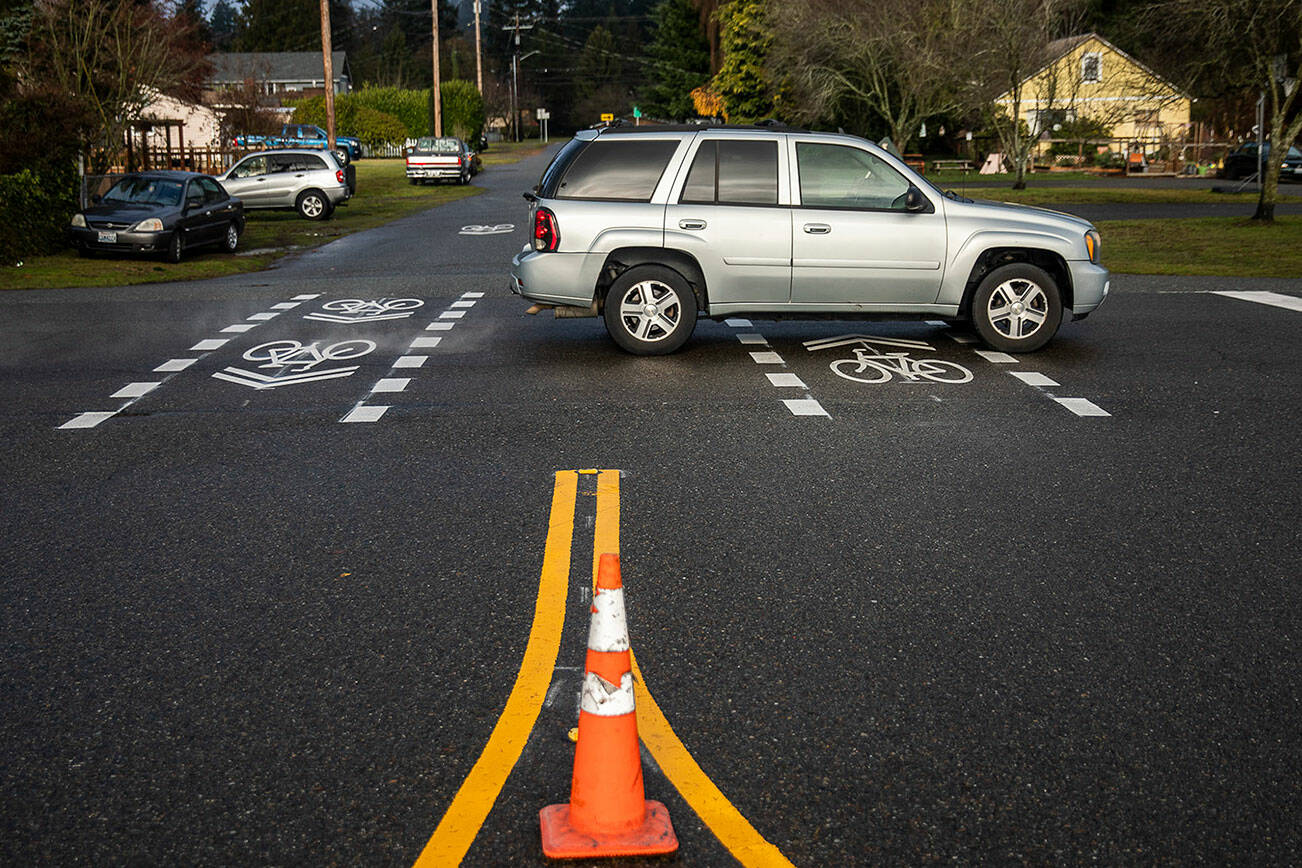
{"x":159,"y":212}
{"x":653,"y":227}
{"x":1242,"y":163}
{"x":446,"y":158}
{"x":310,"y":136}
{"x":310,"y":182}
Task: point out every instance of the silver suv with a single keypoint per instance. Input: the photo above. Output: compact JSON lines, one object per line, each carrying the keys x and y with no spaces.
{"x":653,"y":227}
{"x":311,"y":182}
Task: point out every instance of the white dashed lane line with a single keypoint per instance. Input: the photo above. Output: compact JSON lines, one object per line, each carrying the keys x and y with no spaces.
{"x":806,"y":406}
{"x":363,"y":412}
{"x":1038,"y":381}
{"x":135,"y":391}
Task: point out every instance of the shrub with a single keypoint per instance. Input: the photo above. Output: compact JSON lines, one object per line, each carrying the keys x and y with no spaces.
{"x":463,"y":109}
{"x":35,"y":208}
{"x":373,"y":128}
{"x":411,"y":107}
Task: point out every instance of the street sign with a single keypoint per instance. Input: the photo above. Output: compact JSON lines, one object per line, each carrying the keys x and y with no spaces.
{"x":607,"y":117}
{"x":542,"y":114}
{"x":637,"y":112}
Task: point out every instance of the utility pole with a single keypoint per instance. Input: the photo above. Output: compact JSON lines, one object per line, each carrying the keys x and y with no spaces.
{"x":479,"y":54}
{"x":328,"y":62}
{"x":515,"y":73}
{"x":436,"y":95}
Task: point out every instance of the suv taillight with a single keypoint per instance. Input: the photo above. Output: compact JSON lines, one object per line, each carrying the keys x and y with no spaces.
{"x":546,"y":234}
{"x":339,"y":175}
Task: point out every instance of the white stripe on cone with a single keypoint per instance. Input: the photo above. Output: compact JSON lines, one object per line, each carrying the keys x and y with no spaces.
{"x":608,"y":629}
{"x":604,"y":699}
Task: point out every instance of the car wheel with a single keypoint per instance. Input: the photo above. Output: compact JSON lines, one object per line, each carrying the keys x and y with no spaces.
{"x":343,"y":156}
{"x":1017,"y":308}
{"x":232,"y":239}
{"x":313,"y":205}
{"x":465,"y":177}
{"x":650,"y":310}
{"x":175,"y":248}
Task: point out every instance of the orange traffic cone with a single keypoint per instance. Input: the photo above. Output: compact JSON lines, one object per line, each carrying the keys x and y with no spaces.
{"x":608,"y":813}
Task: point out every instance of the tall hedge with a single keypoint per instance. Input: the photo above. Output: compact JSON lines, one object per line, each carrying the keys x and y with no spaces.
{"x":411,"y":107}
{"x":352,"y":118}
{"x":35,"y":209}
{"x":463,"y":109}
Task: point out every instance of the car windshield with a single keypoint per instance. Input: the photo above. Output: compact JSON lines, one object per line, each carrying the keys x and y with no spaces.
{"x":146,"y":191}
{"x":439,"y":146}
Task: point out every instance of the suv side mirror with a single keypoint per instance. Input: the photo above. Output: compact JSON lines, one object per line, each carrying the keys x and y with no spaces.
{"x":914,"y":200}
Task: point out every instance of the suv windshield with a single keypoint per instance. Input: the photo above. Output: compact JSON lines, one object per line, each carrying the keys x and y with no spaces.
{"x":148,"y":191}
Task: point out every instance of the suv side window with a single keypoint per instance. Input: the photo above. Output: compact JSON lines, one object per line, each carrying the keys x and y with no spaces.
{"x":250,"y":167}
{"x":837,"y":176}
{"x":733,"y":173}
{"x":626,"y":171}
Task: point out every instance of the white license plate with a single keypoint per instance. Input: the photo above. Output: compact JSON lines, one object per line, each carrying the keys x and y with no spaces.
{"x":108,"y":238}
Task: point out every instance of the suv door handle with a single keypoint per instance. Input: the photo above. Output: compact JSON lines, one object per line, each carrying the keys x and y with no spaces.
{"x":691,"y":224}
{"x":818,"y":228}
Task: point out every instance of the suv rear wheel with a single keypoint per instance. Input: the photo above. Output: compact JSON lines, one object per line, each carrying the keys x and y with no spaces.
{"x":650,"y":310}
{"x":313,"y":205}
{"x":1017,"y":308}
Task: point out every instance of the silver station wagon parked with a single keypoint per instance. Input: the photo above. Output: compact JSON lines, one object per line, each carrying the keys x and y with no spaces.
{"x":308,"y":181}
{"x":653,"y":227}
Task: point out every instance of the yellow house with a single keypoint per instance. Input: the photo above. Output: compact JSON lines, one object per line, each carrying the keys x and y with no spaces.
{"x":1089,"y":77}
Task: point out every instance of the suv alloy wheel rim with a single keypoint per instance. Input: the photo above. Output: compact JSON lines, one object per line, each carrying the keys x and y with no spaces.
{"x":650,"y":311}
{"x":1017,"y":308}
{"x":312,"y":206}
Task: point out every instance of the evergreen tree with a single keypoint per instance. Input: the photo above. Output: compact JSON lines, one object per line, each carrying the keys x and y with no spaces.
{"x":680,"y":58}
{"x":292,"y":25}
{"x":223,"y":24}
{"x":742,"y":81}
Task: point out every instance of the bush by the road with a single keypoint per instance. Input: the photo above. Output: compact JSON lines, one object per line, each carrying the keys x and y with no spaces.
{"x":35,"y":208}
{"x":463,"y":109}
{"x":373,"y":128}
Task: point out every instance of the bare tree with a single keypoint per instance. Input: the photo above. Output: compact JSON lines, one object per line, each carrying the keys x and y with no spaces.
{"x":899,"y":60}
{"x":111,"y":55}
{"x":1015,"y":46}
{"x":1252,"y":43}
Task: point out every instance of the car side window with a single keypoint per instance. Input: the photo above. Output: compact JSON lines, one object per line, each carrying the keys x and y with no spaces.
{"x":617,"y":170}
{"x":733,"y":173}
{"x":251,"y":167}
{"x":838,"y":176}
{"x":278,"y":163}
{"x":311,"y":162}
{"x":194,"y":194}
{"x":212,"y":191}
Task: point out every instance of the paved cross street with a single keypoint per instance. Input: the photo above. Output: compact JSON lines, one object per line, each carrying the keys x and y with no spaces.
{"x":278,"y":545}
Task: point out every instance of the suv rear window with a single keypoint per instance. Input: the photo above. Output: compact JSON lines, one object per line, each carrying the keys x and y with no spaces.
{"x":733,"y":173}
{"x":626,"y":171}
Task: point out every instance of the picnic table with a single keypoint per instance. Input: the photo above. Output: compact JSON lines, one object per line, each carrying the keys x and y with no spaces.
{"x":964,"y":165}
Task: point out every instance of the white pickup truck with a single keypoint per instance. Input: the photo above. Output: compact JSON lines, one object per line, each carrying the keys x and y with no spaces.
{"x":433,"y":159}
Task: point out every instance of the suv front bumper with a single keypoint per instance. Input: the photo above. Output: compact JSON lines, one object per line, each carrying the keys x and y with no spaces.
{"x":1090,"y":284}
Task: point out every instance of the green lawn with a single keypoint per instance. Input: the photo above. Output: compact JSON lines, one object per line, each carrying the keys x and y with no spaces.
{"x":1218,"y":246}
{"x":1197,"y":194}
{"x":383,"y":195}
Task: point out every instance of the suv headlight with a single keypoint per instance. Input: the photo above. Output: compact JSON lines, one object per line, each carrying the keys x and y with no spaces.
{"x":79,"y":221}
{"x":153,"y":224}
{"x":1092,"y":242}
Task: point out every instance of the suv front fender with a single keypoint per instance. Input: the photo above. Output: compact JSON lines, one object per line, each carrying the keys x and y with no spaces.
{"x":1022,"y":245}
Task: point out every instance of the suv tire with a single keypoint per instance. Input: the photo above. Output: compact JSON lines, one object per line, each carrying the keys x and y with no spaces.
{"x":650,"y":310}
{"x":1017,"y":308}
{"x":313,"y":205}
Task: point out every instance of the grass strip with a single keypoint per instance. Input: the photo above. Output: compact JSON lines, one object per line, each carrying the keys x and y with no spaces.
{"x":1214,"y":246}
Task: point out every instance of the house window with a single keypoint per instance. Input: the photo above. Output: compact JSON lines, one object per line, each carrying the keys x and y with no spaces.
{"x":1091,"y":68}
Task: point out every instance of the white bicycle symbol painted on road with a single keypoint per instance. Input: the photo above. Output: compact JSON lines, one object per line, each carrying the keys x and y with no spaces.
{"x":481,"y":229}
{"x":873,"y":365}
{"x":295,"y":356}
{"x":380,"y":305}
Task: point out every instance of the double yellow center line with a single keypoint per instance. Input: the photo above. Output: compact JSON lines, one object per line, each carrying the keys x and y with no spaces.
{"x":470,"y":806}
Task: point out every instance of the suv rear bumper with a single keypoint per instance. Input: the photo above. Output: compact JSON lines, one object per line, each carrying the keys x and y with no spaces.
{"x":556,"y":278}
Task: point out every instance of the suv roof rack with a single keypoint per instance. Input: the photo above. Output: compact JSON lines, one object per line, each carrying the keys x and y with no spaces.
{"x":765,"y":126}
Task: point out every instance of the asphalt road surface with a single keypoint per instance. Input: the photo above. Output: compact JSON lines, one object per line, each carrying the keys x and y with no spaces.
{"x":1048,"y":614}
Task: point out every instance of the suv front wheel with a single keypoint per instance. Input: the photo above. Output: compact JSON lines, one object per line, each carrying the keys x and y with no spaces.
{"x":1017,"y":308}
{"x":650,"y":310}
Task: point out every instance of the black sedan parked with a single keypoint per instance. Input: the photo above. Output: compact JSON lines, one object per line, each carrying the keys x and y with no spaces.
{"x":160,"y":212}
{"x":1243,"y":163}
